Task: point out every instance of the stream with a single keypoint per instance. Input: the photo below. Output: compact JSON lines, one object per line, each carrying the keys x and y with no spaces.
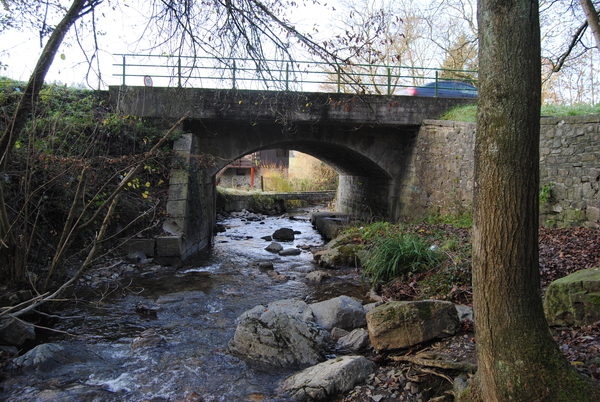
{"x":195,"y":311}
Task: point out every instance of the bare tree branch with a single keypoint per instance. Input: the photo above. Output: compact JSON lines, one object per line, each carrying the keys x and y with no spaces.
{"x":576,"y":38}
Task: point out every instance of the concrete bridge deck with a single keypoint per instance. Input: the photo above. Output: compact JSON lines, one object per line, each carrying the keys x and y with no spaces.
{"x":284,"y":108}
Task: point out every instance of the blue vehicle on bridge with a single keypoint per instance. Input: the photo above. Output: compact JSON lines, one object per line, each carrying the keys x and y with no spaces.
{"x":443,"y":89}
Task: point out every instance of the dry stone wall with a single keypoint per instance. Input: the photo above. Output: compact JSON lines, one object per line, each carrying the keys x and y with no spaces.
{"x":570,"y":171}
{"x":441,"y":177}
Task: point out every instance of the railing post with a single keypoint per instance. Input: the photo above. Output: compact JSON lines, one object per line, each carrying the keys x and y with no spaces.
{"x":179,"y":71}
{"x":287,"y":77}
{"x":339,"y":79}
{"x":389,"y":77}
{"x":436,"y":82}
{"x":233,"y":78}
{"x":124,"y":62}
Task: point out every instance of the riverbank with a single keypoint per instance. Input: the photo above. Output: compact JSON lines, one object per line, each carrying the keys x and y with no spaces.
{"x":562,"y":251}
{"x":193,"y":310}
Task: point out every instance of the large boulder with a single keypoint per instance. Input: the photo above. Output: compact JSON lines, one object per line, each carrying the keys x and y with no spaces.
{"x":282,"y":334}
{"x":342,"y":312}
{"x":15,"y":332}
{"x":398,"y":325}
{"x":574,"y":299}
{"x":284,"y":234}
{"x":328,"y":378}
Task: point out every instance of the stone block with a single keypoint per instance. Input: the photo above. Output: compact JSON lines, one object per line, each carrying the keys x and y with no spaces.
{"x":184,"y":143}
{"x":176,"y":208}
{"x":178,"y":192}
{"x":574,"y":299}
{"x":179,"y":176}
{"x":169,"y":246}
{"x":593,"y":214}
{"x":174,"y":226}
{"x":330,"y":224}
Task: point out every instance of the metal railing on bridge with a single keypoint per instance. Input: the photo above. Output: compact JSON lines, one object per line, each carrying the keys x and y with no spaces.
{"x":305,"y":76}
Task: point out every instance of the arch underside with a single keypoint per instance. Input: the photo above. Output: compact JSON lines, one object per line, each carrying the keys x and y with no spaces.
{"x":369,"y":160}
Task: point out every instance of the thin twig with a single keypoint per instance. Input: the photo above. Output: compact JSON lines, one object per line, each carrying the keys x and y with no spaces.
{"x":51,"y":329}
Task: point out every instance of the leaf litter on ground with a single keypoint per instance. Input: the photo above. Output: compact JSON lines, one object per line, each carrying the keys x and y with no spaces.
{"x":562,"y":252}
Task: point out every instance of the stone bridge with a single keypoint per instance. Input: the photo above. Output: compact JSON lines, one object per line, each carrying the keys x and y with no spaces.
{"x":370,"y":141}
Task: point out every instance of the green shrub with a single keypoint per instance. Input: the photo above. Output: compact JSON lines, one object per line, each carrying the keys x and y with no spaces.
{"x":468,"y":113}
{"x":399,"y":255}
{"x":464,"y":220}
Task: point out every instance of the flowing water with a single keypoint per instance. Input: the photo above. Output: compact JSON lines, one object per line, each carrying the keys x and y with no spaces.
{"x":196,"y":308}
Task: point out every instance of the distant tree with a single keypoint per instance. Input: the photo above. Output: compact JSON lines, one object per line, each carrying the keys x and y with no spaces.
{"x":386,"y":44}
{"x":462,"y":55}
{"x":566,"y":24}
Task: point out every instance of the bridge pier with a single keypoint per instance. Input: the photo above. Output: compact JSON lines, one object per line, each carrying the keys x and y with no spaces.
{"x":190,"y":208}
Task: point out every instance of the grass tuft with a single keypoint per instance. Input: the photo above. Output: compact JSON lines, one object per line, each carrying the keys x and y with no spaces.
{"x":400,"y":255}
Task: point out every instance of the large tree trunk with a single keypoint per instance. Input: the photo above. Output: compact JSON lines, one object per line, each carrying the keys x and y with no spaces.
{"x":518,"y":358}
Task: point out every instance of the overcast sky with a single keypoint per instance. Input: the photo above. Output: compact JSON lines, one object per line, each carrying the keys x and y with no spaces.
{"x":119,"y":32}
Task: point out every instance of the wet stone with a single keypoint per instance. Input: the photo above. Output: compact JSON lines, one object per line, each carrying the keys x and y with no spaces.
{"x":274,"y":247}
{"x":290,"y":251}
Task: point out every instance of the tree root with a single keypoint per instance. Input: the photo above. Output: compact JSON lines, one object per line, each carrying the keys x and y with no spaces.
{"x":438,"y":363}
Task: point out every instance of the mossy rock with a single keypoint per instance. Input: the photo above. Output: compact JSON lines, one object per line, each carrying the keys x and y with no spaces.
{"x":574,"y":299}
{"x":399,"y":325}
{"x":340,"y":256}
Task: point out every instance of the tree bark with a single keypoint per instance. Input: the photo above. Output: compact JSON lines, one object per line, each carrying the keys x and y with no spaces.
{"x":518,"y":359}
{"x":593,"y":20}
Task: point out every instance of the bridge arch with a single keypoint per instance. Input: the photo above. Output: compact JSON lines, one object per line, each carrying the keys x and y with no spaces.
{"x":370,"y":140}
{"x":371,"y":161}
